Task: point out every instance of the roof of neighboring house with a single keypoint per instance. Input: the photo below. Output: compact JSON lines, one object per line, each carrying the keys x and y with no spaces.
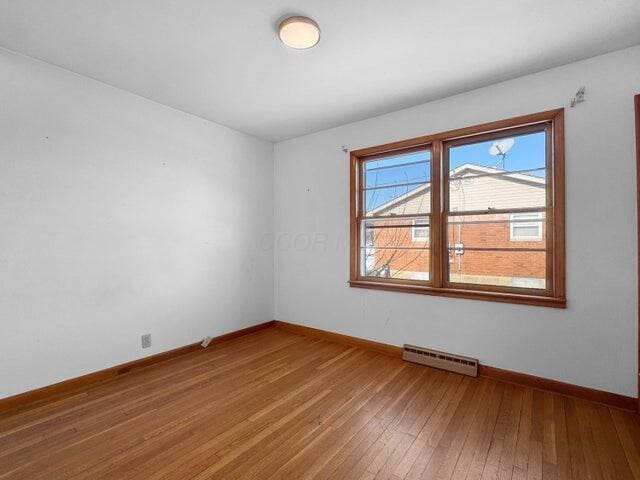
{"x":530,"y":183}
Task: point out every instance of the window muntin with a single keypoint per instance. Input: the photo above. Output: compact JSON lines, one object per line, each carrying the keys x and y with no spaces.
{"x":457,"y":190}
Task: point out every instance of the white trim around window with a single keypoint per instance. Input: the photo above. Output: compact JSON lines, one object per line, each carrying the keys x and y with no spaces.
{"x":420,"y":230}
{"x":518,"y":222}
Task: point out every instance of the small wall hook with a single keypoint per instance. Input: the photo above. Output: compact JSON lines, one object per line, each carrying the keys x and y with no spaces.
{"x":344,"y":149}
{"x":578,"y":97}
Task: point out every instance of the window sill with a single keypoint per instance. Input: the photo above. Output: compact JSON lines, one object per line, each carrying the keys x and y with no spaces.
{"x":537,"y":300}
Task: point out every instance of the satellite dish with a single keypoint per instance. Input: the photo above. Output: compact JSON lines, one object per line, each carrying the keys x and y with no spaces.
{"x":501,"y":147}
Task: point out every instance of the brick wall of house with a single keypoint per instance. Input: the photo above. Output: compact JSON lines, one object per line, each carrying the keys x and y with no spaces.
{"x":517,"y":264}
{"x":494,"y":267}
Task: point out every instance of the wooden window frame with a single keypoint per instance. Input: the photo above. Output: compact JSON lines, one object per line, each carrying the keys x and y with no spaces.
{"x":636,"y":102}
{"x":553,"y":295}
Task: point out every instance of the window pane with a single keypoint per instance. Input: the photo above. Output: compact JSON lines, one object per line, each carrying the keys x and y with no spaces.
{"x":404,"y":200}
{"x":398,"y":185}
{"x":525,"y":232}
{"x":394,"y":263}
{"x":481,"y":251}
{"x":389,"y":250}
{"x":503,"y":173}
{"x":412,"y":167}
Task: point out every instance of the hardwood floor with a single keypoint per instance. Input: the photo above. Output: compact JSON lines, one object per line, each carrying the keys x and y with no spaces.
{"x":276,"y":405}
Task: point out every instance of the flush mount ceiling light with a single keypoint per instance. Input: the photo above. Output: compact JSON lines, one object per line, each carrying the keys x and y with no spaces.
{"x":299,"y":32}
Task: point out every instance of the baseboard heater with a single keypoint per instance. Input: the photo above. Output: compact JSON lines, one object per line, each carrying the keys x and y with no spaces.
{"x":442,"y":360}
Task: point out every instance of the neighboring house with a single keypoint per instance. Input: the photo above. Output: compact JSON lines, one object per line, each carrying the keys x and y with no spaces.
{"x":496,"y":249}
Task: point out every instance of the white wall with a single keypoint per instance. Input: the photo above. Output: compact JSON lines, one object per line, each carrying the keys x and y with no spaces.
{"x":592,"y":342}
{"x":118,"y":217}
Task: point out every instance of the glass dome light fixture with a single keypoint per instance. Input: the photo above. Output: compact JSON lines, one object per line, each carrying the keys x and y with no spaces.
{"x":299,"y":32}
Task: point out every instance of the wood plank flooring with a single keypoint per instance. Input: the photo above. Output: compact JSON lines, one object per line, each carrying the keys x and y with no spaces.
{"x":276,"y":405}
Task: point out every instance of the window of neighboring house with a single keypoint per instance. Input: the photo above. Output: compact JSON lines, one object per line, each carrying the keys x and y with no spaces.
{"x":525,"y":227}
{"x":420,"y":231}
{"x":440,"y":214}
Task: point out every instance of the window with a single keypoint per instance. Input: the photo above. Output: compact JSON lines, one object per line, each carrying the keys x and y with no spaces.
{"x":476,"y":213}
{"x":420,"y":231}
{"x":525,"y":227}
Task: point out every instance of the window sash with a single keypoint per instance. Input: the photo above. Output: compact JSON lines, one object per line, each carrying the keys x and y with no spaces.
{"x":365,"y":252}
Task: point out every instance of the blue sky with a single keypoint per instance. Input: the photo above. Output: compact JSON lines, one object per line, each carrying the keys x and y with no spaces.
{"x":527,"y":152}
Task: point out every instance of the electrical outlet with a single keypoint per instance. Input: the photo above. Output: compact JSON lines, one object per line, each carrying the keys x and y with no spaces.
{"x":146,"y":340}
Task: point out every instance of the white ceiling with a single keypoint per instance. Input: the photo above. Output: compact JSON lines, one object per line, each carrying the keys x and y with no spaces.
{"x":222,"y":61}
